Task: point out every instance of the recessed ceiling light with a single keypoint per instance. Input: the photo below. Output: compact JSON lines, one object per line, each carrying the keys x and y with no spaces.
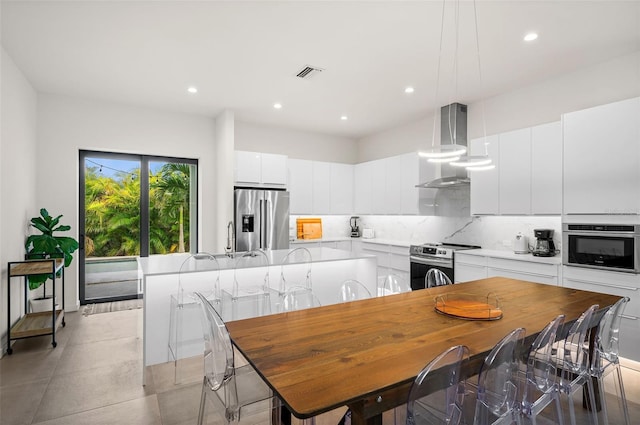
{"x":344,"y":118}
{"x":192,"y":89}
{"x":409,"y":90}
{"x":531,"y":36}
{"x":277,"y":105}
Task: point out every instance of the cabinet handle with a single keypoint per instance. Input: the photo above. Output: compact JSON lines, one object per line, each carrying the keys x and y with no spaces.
{"x":629,"y":317}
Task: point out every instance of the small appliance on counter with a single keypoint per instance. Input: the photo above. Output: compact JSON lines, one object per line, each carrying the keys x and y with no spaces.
{"x":355,"y":230}
{"x":368,"y":233}
{"x":521,"y":244}
{"x":544,"y":243}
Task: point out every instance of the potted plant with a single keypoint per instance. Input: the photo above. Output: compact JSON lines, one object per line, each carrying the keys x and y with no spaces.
{"x":47,"y":245}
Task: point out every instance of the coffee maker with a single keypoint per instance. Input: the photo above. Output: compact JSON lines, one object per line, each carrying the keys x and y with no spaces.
{"x":544,"y":243}
{"x":355,"y":230}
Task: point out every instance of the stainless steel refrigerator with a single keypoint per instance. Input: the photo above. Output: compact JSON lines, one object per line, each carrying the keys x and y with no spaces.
{"x":261,"y":219}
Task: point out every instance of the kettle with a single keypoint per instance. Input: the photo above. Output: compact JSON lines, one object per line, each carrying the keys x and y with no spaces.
{"x":521,"y":244}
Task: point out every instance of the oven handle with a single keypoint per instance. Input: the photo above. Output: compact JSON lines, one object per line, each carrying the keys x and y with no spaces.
{"x":431,"y":261}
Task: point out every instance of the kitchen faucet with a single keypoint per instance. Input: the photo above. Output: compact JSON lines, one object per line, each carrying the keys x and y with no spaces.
{"x":231,"y":240}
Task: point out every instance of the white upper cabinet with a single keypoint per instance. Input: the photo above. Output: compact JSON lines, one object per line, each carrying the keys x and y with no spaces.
{"x":341,"y":188}
{"x":363,"y":188}
{"x":485,"y":193}
{"x":528,"y":174}
{"x":300,"y":186}
{"x":515,"y":172}
{"x":248,"y":167}
{"x":387,"y":186}
{"x":601,"y":159}
{"x":321,"y":187}
{"x":260,"y":169}
{"x":546,"y":169}
{"x":393,"y":185}
{"x":379,"y":204}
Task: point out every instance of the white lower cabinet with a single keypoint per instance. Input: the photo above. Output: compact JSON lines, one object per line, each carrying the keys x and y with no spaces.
{"x":469,"y":267}
{"x":523,"y":270}
{"x":614,"y":283}
{"x":391,"y":258}
{"x":473,"y":267}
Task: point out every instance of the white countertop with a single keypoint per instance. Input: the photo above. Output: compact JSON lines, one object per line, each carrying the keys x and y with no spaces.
{"x":171,"y":264}
{"x":510,"y":255}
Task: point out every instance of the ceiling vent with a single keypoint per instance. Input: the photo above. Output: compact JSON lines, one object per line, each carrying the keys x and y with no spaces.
{"x":308,"y":72}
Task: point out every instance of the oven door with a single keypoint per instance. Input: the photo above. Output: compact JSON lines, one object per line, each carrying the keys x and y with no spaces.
{"x":421,"y":265}
{"x":618,"y":252}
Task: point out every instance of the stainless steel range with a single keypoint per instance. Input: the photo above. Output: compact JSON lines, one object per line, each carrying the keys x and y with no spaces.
{"x":433,"y":256}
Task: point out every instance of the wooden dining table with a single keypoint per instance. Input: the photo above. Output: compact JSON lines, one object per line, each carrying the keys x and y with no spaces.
{"x":366,"y":354}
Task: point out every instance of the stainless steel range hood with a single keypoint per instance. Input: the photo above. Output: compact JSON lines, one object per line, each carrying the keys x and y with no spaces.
{"x":453,"y":129}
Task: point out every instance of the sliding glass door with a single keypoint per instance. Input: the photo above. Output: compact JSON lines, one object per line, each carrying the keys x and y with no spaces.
{"x":130,"y":206}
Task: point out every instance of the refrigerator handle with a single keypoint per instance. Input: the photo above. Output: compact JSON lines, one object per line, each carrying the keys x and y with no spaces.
{"x":262,"y":222}
{"x":265,"y":228}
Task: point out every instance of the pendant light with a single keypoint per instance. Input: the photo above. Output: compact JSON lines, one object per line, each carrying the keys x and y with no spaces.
{"x":477,"y":162}
{"x":452,"y":151}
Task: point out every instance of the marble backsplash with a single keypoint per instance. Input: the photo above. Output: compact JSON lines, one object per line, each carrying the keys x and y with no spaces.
{"x":489,"y":232}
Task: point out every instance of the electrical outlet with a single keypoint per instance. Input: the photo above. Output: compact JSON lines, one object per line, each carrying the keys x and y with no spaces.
{"x":506,"y":242}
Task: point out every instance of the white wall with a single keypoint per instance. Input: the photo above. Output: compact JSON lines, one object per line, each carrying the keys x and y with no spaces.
{"x":67,"y":125}
{"x":225,"y":164}
{"x":18,"y":169}
{"x":294,"y":143}
{"x":536,"y":104}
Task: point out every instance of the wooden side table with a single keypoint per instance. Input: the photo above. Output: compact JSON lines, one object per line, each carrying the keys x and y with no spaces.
{"x":35,"y":324}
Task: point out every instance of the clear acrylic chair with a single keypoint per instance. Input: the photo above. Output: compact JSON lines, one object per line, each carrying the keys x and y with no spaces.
{"x":605,"y":358}
{"x":497,"y":391}
{"x":295,"y":271}
{"x":444,"y":406}
{"x":392,"y":284}
{"x":436,"y":277}
{"x":352,"y":290}
{"x":573,"y":360}
{"x":540,"y":386}
{"x":233,"y":388}
{"x":198,"y":272}
{"x":299,"y":298}
{"x":250,"y":296}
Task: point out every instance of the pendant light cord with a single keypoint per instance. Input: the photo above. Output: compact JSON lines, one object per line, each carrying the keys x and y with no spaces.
{"x":435,"y":97}
{"x":482,"y":111}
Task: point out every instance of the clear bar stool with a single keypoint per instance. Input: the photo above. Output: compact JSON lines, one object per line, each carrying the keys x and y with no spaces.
{"x":605,"y":359}
{"x":198,"y":272}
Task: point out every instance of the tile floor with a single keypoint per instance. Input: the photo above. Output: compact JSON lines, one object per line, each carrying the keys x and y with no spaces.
{"x":94,"y":376}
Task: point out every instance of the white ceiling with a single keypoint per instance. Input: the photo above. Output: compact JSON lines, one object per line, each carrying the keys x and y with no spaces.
{"x":243,"y":56}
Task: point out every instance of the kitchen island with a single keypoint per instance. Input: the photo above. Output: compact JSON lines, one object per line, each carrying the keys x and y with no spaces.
{"x":159,"y":274}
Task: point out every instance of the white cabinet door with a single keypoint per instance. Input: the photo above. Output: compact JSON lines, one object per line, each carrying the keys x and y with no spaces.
{"x":341,"y":188}
{"x":409,"y":176}
{"x":515,"y":172}
{"x":546,"y":169}
{"x":300,"y":186}
{"x":321,"y":187}
{"x":601,"y":162}
{"x":248,"y":167}
{"x":260,"y":169}
{"x":378,"y":187}
{"x":363,"y":187}
{"x":485,"y":184}
{"x":274,"y":169}
{"x":393,"y":185}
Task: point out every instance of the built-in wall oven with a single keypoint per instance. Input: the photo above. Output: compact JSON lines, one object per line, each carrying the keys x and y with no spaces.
{"x":613,"y":247}
{"x":432,"y":256}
